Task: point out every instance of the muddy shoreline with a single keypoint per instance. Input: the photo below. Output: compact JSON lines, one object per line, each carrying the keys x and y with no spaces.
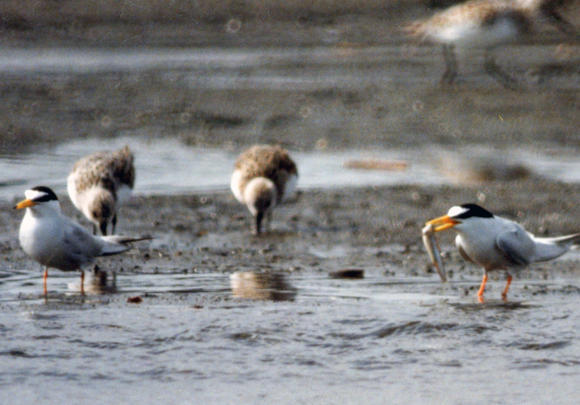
{"x":308,"y":82}
{"x":332,"y":79}
{"x":376,"y":229}
{"x":214,"y":23}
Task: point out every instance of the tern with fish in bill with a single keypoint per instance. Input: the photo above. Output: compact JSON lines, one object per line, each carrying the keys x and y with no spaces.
{"x":497,"y":243}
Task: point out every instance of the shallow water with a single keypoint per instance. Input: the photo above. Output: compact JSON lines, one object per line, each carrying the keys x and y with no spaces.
{"x":334,"y":341}
{"x":165,"y":166}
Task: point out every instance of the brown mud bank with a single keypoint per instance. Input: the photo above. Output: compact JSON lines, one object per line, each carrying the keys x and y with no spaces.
{"x":376,"y":229}
{"x":42,"y":109}
{"x":330,"y":73}
{"x":208,"y":22}
{"x":187,"y":23}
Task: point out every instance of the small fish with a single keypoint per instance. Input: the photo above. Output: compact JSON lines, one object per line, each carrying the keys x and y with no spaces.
{"x":433,"y":249}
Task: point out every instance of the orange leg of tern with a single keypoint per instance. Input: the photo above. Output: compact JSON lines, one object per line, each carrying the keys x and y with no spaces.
{"x":44,"y":278}
{"x":482,"y":288}
{"x":82,"y":282}
{"x":507,"y":287}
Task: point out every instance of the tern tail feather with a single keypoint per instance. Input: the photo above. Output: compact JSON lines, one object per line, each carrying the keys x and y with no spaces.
{"x":561,"y":240}
{"x":551,"y":248}
{"x":124,"y":240}
{"x":115,"y":244}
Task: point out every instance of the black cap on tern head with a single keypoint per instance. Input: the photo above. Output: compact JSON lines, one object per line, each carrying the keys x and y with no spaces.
{"x":47,"y":194}
{"x":465,"y":211}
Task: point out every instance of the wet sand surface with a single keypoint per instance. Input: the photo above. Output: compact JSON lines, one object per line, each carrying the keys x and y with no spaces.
{"x":208,"y":313}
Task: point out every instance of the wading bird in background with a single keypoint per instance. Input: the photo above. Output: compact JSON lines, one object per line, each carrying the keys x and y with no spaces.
{"x":100,"y":183}
{"x":486,"y":24}
{"x":263,"y":177}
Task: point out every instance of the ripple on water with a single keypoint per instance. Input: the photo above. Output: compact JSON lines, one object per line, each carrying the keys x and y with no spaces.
{"x":46,"y":337}
{"x":537,"y":346}
{"x":26,"y":354}
{"x":238,"y":344}
{"x":491,"y":305}
{"x":104,"y":345}
{"x":531,"y":364}
{"x":16,"y":353}
{"x":414,"y":328}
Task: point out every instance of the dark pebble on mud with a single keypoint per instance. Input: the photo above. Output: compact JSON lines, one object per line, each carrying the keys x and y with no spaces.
{"x":348,"y":273}
{"x":135,"y":300}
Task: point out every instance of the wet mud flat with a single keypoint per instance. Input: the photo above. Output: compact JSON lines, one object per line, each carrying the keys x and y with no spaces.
{"x":325,"y":98}
{"x":319,"y":230}
{"x":224,"y":23}
{"x":176,"y":326}
{"x":303,"y":76}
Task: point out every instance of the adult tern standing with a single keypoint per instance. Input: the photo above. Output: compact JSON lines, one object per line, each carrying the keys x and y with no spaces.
{"x":497,"y":243}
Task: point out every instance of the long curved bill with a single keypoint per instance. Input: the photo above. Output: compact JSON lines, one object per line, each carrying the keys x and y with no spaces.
{"x":442,"y":223}
{"x":24,"y":204}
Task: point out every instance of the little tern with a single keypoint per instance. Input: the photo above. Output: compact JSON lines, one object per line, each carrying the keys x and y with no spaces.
{"x":55,"y":241}
{"x":497,"y":243}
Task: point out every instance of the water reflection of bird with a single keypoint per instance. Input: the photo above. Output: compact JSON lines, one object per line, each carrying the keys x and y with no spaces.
{"x":263,"y":177}
{"x":100,"y":183}
{"x":98,"y":282}
{"x":53,"y":240}
{"x":497,"y":243}
{"x":261,"y":286}
{"x":486,"y":24}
